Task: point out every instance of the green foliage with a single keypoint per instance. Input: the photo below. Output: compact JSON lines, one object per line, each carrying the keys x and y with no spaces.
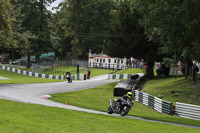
{"x":35,"y":18}
{"x":5,"y":24}
{"x":82,"y":24}
{"x":5,"y":16}
{"x":130,"y":40}
{"x":124,"y":27}
{"x":149,"y":30}
{"x":173,"y":24}
{"x":167,"y":62}
{"x":5,"y":39}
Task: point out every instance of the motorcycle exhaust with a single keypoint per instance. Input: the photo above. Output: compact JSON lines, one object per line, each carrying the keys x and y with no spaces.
{"x":110,"y":102}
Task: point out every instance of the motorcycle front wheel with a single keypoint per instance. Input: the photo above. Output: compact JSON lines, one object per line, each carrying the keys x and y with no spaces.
{"x":124,"y":110}
{"x":110,"y":110}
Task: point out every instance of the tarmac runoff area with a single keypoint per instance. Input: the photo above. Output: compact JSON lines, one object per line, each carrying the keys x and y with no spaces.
{"x":38,"y":93}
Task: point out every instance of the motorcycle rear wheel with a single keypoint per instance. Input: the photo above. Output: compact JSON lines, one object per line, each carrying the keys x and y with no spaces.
{"x":110,"y":110}
{"x":124,"y":110}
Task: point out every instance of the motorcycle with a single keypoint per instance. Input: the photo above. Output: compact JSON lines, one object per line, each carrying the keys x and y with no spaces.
{"x":69,"y":79}
{"x":120,"y":106}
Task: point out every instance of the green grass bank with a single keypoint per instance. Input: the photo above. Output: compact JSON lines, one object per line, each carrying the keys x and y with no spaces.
{"x":173,"y":89}
{"x":15,"y":78}
{"x":98,"y":99}
{"x":19,"y":117}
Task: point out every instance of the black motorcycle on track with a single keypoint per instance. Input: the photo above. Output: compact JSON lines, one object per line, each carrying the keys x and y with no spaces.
{"x":120,"y":106}
{"x":68,"y":78}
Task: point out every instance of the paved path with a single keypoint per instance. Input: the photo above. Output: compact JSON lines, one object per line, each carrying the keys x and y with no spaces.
{"x":34,"y":93}
{"x":31,"y":93}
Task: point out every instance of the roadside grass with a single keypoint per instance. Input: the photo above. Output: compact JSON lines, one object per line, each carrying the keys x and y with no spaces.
{"x":55,"y":71}
{"x":96,"y":72}
{"x":98,"y":99}
{"x":173,"y":89}
{"x":24,"y":117}
{"x":131,"y":71}
{"x":16,"y":78}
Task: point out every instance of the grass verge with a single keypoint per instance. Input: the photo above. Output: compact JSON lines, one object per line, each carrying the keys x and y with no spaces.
{"x":23,"y":117}
{"x":133,"y":71}
{"x":98,"y":99}
{"x":173,"y":89}
{"x":15,"y":78}
{"x":130,"y":71}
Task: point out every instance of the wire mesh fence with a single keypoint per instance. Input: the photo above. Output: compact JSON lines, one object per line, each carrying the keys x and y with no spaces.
{"x":60,"y":67}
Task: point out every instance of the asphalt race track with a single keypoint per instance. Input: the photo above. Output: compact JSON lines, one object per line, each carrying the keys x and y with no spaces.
{"x":35,"y":93}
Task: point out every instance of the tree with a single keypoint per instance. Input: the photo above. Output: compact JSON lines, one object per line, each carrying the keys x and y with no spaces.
{"x":174,"y":25}
{"x":5,"y":24}
{"x":19,"y":39}
{"x":36,"y":20}
{"x":77,"y":27}
{"x":128,"y":38}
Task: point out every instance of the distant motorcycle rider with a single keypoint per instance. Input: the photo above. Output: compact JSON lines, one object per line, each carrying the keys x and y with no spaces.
{"x":68,"y":77}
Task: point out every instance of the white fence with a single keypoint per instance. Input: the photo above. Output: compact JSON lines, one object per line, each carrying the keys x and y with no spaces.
{"x":153,"y":102}
{"x":123,"y":76}
{"x":187,"y":111}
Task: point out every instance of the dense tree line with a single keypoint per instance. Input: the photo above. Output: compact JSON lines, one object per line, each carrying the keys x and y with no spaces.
{"x":27,"y":27}
{"x":145,"y":29}
{"x":82,"y":24}
{"x":174,"y":25}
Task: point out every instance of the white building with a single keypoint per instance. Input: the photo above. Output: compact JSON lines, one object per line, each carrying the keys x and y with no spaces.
{"x":105,"y":61}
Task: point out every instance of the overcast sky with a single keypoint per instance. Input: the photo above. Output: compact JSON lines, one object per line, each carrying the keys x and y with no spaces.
{"x":54,"y":4}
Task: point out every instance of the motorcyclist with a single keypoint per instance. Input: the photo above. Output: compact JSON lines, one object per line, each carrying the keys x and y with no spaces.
{"x":68,"y":76}
{"x":125,"y":97}
{"x":68,"y":73}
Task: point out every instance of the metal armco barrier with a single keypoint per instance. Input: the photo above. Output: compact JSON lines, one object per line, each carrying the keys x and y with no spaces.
{"x":39,"y":75}
{"x":123,"y":76}
{"x":187,"y":111}
{"x":119,"y":76}
{"x":153,"y":102}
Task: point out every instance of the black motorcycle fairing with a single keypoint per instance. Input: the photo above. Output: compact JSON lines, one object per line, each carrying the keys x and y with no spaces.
{"x":120,"y":106}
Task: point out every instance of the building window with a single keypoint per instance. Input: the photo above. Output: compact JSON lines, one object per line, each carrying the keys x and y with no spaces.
{"x":118,"y":61}
{"x":97,"y":59}
{"x":100,"y":60}
{"x":109,"y":60}
{"x":115,"y":61}
{"x":121,"y":61}
{"x":104,"y":60}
